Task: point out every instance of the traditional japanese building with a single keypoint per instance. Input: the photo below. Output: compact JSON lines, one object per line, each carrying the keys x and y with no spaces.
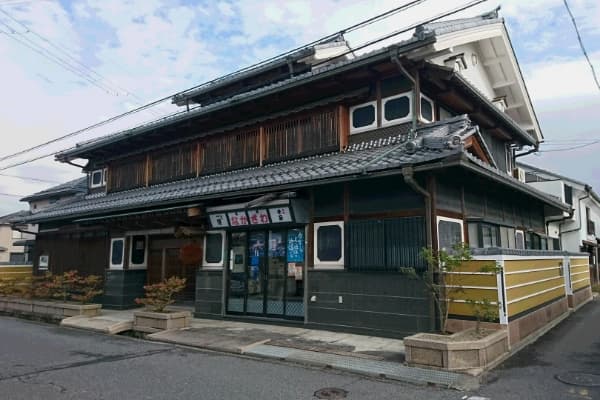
{"x":300,"y":189}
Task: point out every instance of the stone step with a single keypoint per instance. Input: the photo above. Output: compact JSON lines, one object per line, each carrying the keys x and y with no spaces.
{"x":101,"y":324}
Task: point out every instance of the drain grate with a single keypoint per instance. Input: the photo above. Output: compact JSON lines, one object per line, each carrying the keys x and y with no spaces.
{"x":331,"y":393}
{"x":579,"y":379}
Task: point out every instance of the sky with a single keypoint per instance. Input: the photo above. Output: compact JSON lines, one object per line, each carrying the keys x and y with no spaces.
{"x":67,"y":64}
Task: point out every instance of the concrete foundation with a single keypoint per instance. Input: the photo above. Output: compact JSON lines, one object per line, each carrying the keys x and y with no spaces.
{"x":579,"y":297}
{"x":151,"y":322}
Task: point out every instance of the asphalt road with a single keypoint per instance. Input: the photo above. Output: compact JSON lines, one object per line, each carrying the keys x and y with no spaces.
{"x":40,"y":361}
{"x":571,"y":347}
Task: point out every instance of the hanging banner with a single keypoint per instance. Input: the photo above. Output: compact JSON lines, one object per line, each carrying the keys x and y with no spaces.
{"x":295,"y":246}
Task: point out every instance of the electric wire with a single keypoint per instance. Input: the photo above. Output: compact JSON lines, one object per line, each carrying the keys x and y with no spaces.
{"x":581,"y":44}
{"x":119,"y":116}
{"x":30,"y":178}
{"x":81,"y":70}
{"x":161,"y":100}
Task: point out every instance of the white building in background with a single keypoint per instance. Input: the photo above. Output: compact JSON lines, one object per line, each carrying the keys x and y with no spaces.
{"x":14,"y":239}
{"x":579,"y":231}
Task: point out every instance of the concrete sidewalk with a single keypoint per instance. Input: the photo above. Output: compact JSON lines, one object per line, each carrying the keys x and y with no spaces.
{"x":365,"y":355}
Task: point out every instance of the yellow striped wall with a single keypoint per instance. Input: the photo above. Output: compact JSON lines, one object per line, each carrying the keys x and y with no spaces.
{"x":15,"y":271}
{"x":470,"y":283}
{"x":580,"y":273}
{"x":530,"y":283}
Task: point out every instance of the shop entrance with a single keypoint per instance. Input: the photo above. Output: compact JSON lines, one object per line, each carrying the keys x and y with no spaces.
{"x":266,"y":273}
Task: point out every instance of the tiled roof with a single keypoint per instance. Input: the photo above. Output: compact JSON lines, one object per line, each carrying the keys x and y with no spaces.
{"x":456,"y":25}
{"x":78,"y":185}
{"x":366,"y":157}
{"x":13,"y":217}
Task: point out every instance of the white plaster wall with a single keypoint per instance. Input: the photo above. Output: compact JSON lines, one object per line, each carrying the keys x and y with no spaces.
{"x":553,"y":188}
{"x":6,"y":240}
{"x":475,"y":73}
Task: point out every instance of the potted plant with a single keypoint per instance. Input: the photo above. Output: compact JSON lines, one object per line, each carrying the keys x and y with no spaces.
{"x":49,"y":296}
{"x":156,"y":317}
{"x":470,"y":349}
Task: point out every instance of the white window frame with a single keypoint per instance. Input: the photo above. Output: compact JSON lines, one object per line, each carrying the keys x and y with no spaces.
{"x":214,"y":266}
{"x":101,"y":184}
{"x":517,"y":231}
{"x":104,"y":176}
{"x":318,"y":264}
{"x":363,"y":128}
{"x":43,"y":266}
{"x":455,"y":220}
{"x":144,"y":265}
{"x":423,"y":97}
{"x":386,"y":122}
{"x":117,"y":266}
{"x":15,"y":234}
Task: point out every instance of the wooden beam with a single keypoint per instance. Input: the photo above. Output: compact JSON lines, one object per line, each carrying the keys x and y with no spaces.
{"x":493,"y":61}
{"x":475,"y":148}
{"x":148,"y":169}
{"x":343,"y":126}
{"x":501,"y":84}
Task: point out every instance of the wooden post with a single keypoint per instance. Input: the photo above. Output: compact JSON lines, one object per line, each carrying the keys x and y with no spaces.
{"x":147,"y":169}
{"x":198,"y":155}
{"x":431,"y":188}
{"x":262,"y":144}
{"x":343,"y":126}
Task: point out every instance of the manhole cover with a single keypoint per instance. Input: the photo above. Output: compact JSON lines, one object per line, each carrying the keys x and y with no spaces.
{"x":331,"y":393}
{"x":579,"y":379}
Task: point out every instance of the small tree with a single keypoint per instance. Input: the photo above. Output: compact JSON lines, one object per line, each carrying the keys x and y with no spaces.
{"x":61,"y":286}
{"x":440,"y":281}
{"x":86,"y":288}
{"x":160,"y":295}
{"x":483,"y":310}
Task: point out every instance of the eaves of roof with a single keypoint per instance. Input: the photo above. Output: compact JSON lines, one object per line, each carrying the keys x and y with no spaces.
{"x":455,"y":76}
{"x":72,"y":187}
{"x":469,"y":162}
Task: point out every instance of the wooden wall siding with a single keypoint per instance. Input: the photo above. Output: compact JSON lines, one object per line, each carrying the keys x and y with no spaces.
{"x":88,"y":255}
{"x":531,"y":283}
{"x":127,"y":175}
{"x":306,"y":134}
{"x":235,"y":150}
{"x":175,"y":163}
{"x":476,"y":285}
{"x":580,"y":273}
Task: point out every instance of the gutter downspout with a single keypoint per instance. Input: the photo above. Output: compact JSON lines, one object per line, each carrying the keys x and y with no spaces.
{"x":534,"y":150}
{"x":416,"y":103}
{"x":408,"y":175}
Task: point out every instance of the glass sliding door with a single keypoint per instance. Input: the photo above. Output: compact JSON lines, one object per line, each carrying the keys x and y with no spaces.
{"x":236,"y":298}
{"x":266,"y":273}
{"x":276,"y":273}
{"x":255,"y":303}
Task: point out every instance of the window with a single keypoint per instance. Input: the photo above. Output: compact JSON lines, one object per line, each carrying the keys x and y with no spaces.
{"x":507,"y":237}
{"x":569,"y":194}
{"x":519,"y":240}
{"x":117,"y":249}
{"x":97,"y":178}
{"x":329,"y":244}
{"x":16,"y":258}
{"x":214,"y":243}
{"x":397,"y":109}
{"x":427,"y":109}
{"x":44,"y":261}
{"x":138,"y":251}
{"x":450,"y":232}
{"x":490,"y":236}
{"x":104,"y":176}
{"x":363,"y":117}
{"x":17,"y":235}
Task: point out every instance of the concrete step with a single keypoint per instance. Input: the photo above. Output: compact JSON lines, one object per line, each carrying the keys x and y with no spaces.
{"x":103,"y":324}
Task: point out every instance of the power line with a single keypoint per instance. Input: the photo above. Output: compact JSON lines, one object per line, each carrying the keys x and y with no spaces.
{"x":80,"y":69}
{"x":12,"y":195}
{"x":581,"y":44}
{"x":570,"y":148}
{"x":30,"y":178}
{"x":119,"y":116}
{"x":161,"y":100}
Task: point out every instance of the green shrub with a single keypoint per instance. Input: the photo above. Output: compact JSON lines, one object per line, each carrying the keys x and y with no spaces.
{"x":160,"y":295}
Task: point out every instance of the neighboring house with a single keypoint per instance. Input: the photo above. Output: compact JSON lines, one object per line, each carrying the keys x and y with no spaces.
{"x":15,"y":245}
{"x":301,"y":189}
{"x":580,"y":230}
{"x":56,"y":195}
